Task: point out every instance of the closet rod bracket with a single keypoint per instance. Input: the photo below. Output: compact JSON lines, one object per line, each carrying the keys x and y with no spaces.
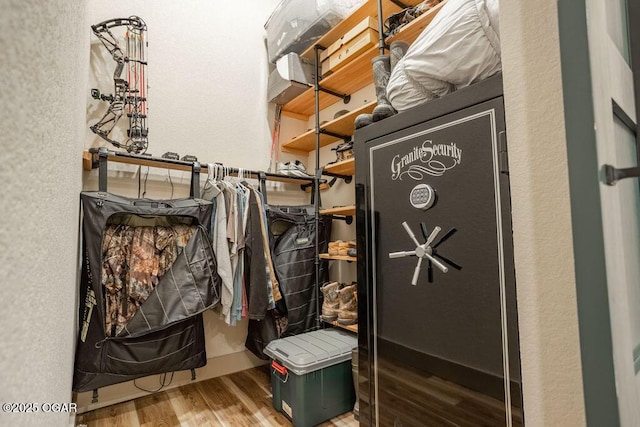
{"x":103,"y":157}
{"x":262,"y":177}
{"x":195,"y":180}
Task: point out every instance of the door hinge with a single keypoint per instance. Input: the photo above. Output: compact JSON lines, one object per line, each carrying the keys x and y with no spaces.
{"x":503,"y":159}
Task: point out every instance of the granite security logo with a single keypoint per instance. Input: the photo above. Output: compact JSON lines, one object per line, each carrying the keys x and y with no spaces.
{"x":426,"y":159}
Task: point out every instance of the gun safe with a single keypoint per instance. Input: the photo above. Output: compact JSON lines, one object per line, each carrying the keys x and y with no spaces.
{"x":438,"y":333}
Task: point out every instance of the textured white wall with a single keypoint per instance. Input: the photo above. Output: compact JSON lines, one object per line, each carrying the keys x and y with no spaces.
{"x":44,"y":66}
{"x":547,"y":310}
{"x":207,"y":77}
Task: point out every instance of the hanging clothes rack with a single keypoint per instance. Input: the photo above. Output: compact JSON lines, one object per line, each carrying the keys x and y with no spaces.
{"x":99,"y":157}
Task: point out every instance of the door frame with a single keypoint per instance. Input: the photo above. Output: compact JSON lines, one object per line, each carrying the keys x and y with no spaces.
{"x":585,"y":178}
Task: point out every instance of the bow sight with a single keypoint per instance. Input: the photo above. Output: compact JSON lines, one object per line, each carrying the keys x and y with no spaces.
{"x":130,"y":91}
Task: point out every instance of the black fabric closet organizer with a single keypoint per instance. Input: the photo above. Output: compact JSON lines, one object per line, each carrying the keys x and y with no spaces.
{"x":166,"y":331}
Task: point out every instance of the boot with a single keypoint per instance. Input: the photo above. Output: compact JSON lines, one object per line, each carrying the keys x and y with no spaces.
{"x":397,"y":51}
{"x":381,"y":72}
{"x":331,"y":302}
{"x":348,"y":309}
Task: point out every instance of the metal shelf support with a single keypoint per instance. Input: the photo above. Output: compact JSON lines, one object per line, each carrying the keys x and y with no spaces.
{"x":345,"y":138}
{"x":345,"y":97}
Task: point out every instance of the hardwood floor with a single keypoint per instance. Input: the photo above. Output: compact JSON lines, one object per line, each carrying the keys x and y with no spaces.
{"x":412,"y":398}
{"x":240,"y":399}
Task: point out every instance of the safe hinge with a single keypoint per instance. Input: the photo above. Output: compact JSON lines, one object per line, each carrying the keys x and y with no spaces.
{"x":503,"y":158}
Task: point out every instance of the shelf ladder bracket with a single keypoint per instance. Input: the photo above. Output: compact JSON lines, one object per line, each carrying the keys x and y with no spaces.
{"x":347,"y":178}
{"x":345,"y":138}
{"x":345,"y":98}
{"x":346,"y":218}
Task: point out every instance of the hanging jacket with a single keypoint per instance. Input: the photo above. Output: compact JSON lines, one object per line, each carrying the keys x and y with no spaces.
{"x":220,"y":243}
{"x":255,"y":262}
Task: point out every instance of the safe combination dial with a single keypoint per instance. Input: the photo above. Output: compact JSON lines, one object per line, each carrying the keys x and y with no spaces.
{"x":426,"y":250}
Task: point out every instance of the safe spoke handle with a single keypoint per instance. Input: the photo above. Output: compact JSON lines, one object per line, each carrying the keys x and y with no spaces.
{"x":416,"y":272}
{"x":410,"y":233}
{"x":432,"y":236}
{"x":437,"y":263}
{"x":401,"y":254}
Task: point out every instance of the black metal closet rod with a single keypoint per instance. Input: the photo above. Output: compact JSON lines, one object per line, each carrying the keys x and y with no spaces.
{"x":99,"y":157}
{"x":159,"y":162}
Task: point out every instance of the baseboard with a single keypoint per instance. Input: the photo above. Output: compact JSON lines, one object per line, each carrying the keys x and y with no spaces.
{"x":215,"y":367}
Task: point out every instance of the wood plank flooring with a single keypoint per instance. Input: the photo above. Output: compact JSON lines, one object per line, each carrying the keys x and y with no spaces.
{"x":418,"y":399}
{"x":240,"y":399}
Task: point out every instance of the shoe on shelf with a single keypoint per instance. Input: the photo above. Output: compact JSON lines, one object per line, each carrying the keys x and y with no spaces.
{"x":348,"y":307}
{"x":295,"y":168}
{"x":334,"y":247}
{"x":344,"y":247}
{"x":352,"y":252}
{"x":282,"y":166}
{"x":347,"y":244}
{"x":330,"y":303}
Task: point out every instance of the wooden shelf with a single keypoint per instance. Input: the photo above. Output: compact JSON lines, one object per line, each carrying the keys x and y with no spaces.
{"x":410,"y":32}
{"x":345,"y":167}
{"x":352,"y":328}
{"x":370,"y":8}
{"x":358,"y":73}
{"x":342,"y":210}
{"x":338,"y":257}
{"x":347,"y":80}
{"x":343,"y":125}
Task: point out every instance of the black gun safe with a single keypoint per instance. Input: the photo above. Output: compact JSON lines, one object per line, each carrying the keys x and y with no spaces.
{"x":438,"y":334}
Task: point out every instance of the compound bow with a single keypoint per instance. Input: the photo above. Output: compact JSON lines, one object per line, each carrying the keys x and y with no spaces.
{"x":130,"y":94}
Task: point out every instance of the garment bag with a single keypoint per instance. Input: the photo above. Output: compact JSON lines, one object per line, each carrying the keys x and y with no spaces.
{"x":293,"y":245}
{"x":148,"y":273}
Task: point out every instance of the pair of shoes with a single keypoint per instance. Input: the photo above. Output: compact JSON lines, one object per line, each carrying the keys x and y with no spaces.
{"x":295,"y":168}
{"x":382,"y":65}
{"x":340,"y":303}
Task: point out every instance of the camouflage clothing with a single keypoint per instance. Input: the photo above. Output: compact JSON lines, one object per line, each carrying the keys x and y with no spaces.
{"x":134,"y":259}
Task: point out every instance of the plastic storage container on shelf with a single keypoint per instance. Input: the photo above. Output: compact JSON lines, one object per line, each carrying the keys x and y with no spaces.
{"x":295,"y":24}
{"x":311,"y":377}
